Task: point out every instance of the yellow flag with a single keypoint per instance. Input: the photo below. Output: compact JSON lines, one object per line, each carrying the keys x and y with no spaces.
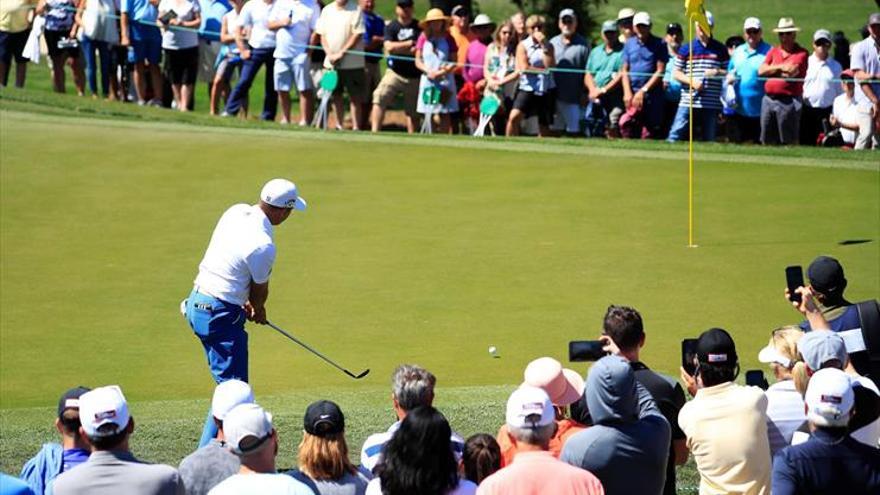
{"x":695,"y":12}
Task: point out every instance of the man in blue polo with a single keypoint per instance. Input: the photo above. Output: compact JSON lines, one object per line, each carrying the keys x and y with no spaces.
{"x":233,"y":282}
{"x":209,"y":37}
{"x":709,"y":65}
{"x":749,"y":88}
{"x":139,"y":32}
{"x":644,"y":62}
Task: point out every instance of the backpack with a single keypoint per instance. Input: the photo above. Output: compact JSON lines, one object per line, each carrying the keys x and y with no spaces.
{"x":867,"y":362}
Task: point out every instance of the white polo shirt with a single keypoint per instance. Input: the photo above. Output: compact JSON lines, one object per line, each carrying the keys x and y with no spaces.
{"x":256,"y":14}
{"x":241,"y":250}
{"x":821,"y":83}
{"x":293,"y":41}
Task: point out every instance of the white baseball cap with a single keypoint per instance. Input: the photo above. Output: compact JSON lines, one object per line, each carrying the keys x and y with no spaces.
{"x":829,"y":398}
{"x":752,"y":23}
{"x":625,"y":13}
{"x":246,"y":428}
{"x":822,"y":34}
{"x":710,"y":18}
{"x":281,"y":193}
{"x":529,"y":407}
{"x":642,"y":18}
{"x":771,"y":354}
{"x":566,"y":13}
{"x":229,"y":394}
{"x":103,"y":406}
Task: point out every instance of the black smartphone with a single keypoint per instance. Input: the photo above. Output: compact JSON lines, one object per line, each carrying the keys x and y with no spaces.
{"x":794,"y":278}
{"x":688,"y":356}
{"x":756,"y":378}
{"x":585,"y":350}
{"x":165,"y":19}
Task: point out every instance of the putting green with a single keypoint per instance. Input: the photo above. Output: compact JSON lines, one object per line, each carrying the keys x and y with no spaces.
{"x":412,"y":250}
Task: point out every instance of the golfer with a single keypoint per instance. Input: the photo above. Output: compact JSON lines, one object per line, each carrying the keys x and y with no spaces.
{"x":233,"y":282}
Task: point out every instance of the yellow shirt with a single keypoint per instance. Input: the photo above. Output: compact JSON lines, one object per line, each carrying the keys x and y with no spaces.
{"x":14,"y":15}
{"x":726,"y":428}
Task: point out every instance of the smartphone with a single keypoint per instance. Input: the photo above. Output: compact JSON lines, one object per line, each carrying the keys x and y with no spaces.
{"x":586,"y":350}
{"x":688,"y":356}
{"x":165,"y":19}
{"x":794,"y":278}
{"x":755,"y":378}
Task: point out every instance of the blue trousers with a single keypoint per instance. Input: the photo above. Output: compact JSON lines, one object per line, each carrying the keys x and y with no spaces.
{"x":704,"y":118}
{"x":89,"y":47}
{"x":249,"y":69}
{"x":219,"y":326}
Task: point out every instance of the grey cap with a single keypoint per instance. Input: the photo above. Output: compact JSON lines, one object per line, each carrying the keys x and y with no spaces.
{"x":874,"y":18}
{"x":609,"y":26}
{"x":820,"y":346}
{"x":822,"y":34}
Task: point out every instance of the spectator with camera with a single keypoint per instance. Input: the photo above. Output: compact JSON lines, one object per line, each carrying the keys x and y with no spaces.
{"x":60,"y":35}
{"x":624,"y":335}
{"x":53,"y":458}
{"x":531,"y":421}
{"x":830,"y":461}
{"x":178,"y":19}
{"x":827,"y":284}
{"x":534,"y":56}
{"x":725,"y":423}
{"x":628,"y":445}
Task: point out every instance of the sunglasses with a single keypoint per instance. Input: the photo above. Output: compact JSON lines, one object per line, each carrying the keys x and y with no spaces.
{"x":753,"y":31}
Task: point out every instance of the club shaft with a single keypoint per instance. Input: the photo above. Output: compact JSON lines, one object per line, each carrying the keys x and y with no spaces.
{"x":309,"y":348}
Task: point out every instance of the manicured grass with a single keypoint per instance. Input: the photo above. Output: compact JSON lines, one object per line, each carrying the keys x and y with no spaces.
{"x":414,"y":249}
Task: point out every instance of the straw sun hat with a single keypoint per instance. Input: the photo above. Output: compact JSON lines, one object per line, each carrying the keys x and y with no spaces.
{"x":433,"y":15}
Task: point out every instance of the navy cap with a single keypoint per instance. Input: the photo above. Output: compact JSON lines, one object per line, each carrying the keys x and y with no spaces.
{"x":324,"y":418}
{"x":826,"y":275}
{"x":70,"y":399}
{"x":715,"y":346}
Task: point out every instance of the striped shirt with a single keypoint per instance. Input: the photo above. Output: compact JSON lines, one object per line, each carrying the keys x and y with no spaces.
{"x":371,"y":452}
{"x":711,"y":56}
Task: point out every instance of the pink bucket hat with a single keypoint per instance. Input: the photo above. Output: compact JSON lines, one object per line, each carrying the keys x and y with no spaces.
{"x":564,"y":386}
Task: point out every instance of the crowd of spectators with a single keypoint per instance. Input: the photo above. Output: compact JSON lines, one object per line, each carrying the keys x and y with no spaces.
{"x":622,"y":430}
{"x":633,"y":84}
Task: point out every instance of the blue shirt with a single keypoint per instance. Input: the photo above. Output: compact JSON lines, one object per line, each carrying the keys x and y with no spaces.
{"x":140,"y":10}
{"x":10,"y":485}
{"x":374,"y":25}
{"x":212,"y":18}
{"x":672,"y":91}
{"x":829,"y":462}
{"x":642,"y":59}
{"x":712,"y":55}
{"x":72,"y":458}
{"x":748,"y":87}
{"x":848,"y":320}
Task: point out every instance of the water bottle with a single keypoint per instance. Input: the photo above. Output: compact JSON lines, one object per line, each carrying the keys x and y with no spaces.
{"x":131,"y":56}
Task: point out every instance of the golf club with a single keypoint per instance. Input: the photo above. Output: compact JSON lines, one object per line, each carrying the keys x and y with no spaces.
{"x":325,"y":358}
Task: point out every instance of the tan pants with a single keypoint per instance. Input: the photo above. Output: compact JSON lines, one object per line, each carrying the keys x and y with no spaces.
{"x":869,"y":135}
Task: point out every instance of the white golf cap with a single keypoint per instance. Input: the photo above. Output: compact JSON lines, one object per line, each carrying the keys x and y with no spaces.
{"x":103,"y":406}
{"x":529,"y":407}
{"x":752,"y":23}
{"x":281,"y":193}
{"x":642,"y":18}
{"x":625,"y":13}
{"x":482,"y":20}
{"x":229,"y":394}
{"x":566,"y":13}
{"x":710,"y":18}
{"x":829,"y":398}
{"x":770,"y":354}
{"x":822,"y":34}
{"x":246,"y":428}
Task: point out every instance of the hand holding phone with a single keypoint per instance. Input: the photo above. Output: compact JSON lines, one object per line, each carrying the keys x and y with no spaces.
{"x":794,"y":278}
{"x":586,"y":350}
{"x":689,"y":356}
{"x":756,"y":378}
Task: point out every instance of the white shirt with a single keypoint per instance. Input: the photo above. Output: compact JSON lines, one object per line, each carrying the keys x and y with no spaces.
{"x":336,"y":25}
{"x":371,"y":452}
{"x":260,"y":484}
{"x":179,"y":37}
{"x":292,"y":41}
{"x":845,"y":111}
{"x":865,"y":55}
{"x":785,"y":414}
{"x":241,"y":250}
{"x":256,"y":14}
{"x":820,"y":87}
{"x":465,"y":487}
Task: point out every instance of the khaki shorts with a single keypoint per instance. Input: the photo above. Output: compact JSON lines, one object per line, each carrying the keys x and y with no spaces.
{"x":392,"y":84}
{"x":353,"y":81}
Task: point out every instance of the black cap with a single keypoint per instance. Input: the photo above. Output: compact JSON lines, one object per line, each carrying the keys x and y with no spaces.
{"x":70,"y":399}
{"x":324,"y":418}
{"x":673,"y":27}
{"x":716,"y":347}
{"x":826,"y":275}
{"x":405,"y":3}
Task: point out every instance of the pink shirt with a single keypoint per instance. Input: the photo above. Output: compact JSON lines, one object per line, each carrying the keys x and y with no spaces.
{"x":476,"y":55}
{"x":536,"y":473}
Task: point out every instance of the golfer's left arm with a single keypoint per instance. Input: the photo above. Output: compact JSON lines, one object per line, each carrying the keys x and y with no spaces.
{"x":260,"y":264}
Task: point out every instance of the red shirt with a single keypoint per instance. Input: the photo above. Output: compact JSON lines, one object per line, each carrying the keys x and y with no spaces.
{"x":780,"y":87}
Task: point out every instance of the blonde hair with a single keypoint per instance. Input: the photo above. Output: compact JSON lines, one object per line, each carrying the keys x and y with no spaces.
{"x":324,"y":458}
{"x":535,"y":20}
{"x":784,"y":340}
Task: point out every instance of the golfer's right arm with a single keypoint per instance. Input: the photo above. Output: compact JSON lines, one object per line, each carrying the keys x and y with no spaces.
{"x":257,"y":301}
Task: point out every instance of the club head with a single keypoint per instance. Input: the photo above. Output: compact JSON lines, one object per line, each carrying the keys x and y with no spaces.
{"x":361,"y":375}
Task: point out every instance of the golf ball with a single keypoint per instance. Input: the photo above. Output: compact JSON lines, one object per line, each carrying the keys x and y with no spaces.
{"x":493,"y":350}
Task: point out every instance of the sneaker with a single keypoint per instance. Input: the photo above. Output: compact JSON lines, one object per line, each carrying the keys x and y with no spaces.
{"x":155,"y":102}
